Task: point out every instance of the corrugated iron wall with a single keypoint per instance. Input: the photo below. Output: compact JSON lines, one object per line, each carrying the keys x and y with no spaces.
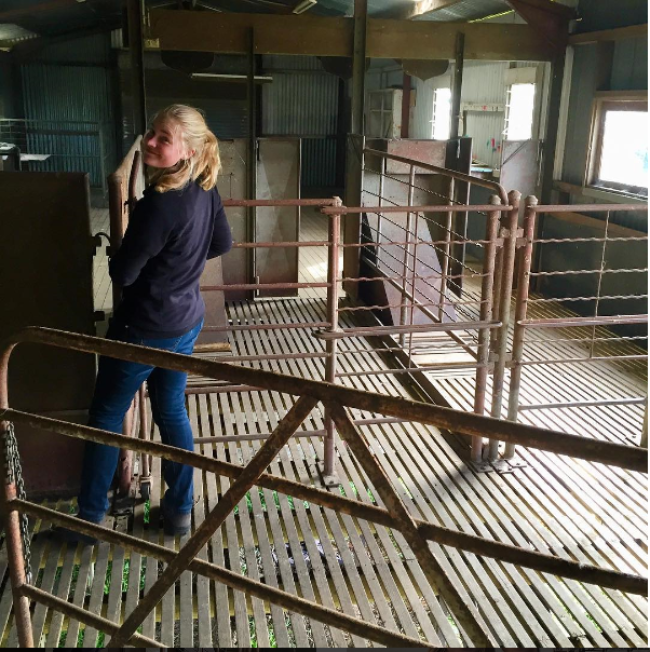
{"x":302,"y":101}
{"x":483,"y":83}
{"x":68,"y":85}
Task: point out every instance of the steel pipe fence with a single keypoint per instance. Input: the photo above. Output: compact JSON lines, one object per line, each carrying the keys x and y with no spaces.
{"x":412,"y":271}
{"x":589,"y":337}
{"x":429,"y":260}
{"x":71,"y":146}
{"x":337,"y":400}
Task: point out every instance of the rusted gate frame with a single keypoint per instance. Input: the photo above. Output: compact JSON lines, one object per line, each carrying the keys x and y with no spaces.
{"x":333,"y":397}
{"x":532,"y":208}
{"x":495,"y":293}
{"x":495,"y":296}
{"x":468,"y":423}
{"x":333,"y":210}
{"x":504,"y":552}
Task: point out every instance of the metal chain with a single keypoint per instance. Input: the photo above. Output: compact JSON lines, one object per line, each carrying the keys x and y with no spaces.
{"x":14,"y":474}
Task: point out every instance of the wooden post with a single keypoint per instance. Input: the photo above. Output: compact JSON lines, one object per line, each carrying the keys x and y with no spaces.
{"x":251,"y":222}
{"x":406,"y":105}
{"x":457,"y":86}
{"x":134,"y":13}
{"x":354,"y":151}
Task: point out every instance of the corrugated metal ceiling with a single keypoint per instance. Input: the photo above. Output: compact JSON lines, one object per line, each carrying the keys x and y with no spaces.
{"x":469,"y":10}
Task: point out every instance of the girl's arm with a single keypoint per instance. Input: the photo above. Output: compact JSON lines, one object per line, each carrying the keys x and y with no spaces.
{"x":145,"y":236}
{"x":221,"y":242}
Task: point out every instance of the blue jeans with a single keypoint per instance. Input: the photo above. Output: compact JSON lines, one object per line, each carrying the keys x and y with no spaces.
{"x":117,"y":383}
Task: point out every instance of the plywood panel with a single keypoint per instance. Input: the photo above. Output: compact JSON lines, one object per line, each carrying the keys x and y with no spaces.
{"x":278,"y":177}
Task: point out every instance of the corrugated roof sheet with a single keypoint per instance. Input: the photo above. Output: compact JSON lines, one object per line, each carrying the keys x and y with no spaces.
{"x":468,"y":10}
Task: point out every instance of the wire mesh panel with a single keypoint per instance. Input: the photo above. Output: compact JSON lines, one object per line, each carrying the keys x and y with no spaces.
{"x":583,"y":306}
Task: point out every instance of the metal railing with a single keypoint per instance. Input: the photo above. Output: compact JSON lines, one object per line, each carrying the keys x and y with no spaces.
{"x":411,"y":251}
{"x":71,"y":146}
{"x":583,"y":340}
{"x":486,"y":311}
{"x":310,"y":393}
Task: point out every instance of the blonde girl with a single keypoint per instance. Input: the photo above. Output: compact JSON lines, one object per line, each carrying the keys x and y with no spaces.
{"x":178,"y":224}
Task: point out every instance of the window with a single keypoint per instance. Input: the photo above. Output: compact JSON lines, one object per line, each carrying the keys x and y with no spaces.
{"x":619,"y":147}
{"x":520,"y":111}
{"x":441,"y":113}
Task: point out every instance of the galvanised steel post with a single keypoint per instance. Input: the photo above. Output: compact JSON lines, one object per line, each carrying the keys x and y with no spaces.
{"x":521,"y":308}
{"x":507,"y":276}
{"x":487,"y":288}
{"x":329,"y":464}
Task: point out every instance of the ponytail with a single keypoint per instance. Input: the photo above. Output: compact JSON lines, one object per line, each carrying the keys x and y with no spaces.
{"x":208,"y":162}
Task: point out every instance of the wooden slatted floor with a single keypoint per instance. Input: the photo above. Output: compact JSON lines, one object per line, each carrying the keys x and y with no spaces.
{"x":577,"y":510}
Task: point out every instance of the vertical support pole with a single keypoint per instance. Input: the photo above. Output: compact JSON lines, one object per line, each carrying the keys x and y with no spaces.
{"x":496,"y":291}
{"x":414,"y":274}
{"x":457,"y":86}
{"x":644,"y":432}
{"x":444,"y":263}
{"x":356,"y":143}
{"x":507,"y":276}
{"x":406,"y":105}
{"x":521,"y":308}
{"x":403,"y":311}
{"x":359,"y":65}
{"x":601,"y":271}
{"x":380,"y":192}
{"x":15,"y":555}
{"x":251,"y":223}
{"x":330,"y":477}
{"x":135,"y":14}
{"x":16,"y":563}
{"x":483,"y":352}
{"x":549,"y":163}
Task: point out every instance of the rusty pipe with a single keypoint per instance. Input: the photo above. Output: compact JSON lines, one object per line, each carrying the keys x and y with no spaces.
{"x":509,"y":255}
{"x":521,"y":309}
{"x":329,"y":444}
{"x":483,"y":352}
{"x":457,"y":421}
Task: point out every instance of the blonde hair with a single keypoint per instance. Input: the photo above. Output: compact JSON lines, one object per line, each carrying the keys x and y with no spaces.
{"x":203,"y":165}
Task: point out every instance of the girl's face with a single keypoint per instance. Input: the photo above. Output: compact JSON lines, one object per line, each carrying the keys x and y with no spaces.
{"x":162,"y":145}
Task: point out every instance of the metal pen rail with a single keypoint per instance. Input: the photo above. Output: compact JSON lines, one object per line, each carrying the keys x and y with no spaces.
{"x":310,"y":393}
{"x":592,"y":329}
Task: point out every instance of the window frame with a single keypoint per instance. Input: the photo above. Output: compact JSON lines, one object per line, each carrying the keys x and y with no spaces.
{"x":607,"y":101}
{"x":526,"y":75}
{"x":434,"y":112}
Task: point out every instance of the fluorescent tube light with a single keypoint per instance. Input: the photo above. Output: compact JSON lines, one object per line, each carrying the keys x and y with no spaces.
{"x":304,"y":5}
{"x":229,"y":77}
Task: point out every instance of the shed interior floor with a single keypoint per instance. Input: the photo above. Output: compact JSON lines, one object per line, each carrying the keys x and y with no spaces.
{"x":573,"y":509}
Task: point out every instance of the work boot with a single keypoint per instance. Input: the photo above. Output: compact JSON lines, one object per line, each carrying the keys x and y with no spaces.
{"x":174,"y":523}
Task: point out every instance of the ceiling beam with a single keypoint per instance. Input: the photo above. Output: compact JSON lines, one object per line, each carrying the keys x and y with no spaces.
{"x":332,"y":36}
{"x":549,"y":17}
{"x":410,"y":11}
{"x":617,"y":34}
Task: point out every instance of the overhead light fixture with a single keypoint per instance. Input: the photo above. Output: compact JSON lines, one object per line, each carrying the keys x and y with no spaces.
{"x":260,"y":79}
{"x":304,"y":5}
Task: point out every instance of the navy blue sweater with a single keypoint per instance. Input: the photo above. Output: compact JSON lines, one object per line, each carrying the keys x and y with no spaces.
{"x":169,"y":237}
